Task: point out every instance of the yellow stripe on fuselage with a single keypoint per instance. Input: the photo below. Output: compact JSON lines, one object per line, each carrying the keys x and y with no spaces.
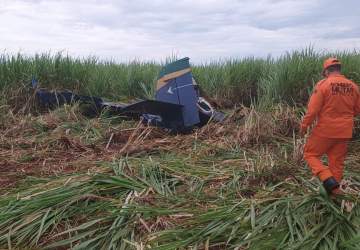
{"x":162,"y":81}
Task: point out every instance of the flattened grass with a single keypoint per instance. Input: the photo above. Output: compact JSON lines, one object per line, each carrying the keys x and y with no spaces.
{"x":207,"y":190}
{"x":237,"y":185}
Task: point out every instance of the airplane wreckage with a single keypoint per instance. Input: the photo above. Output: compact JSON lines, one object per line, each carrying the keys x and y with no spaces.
{"x":177,"y":106}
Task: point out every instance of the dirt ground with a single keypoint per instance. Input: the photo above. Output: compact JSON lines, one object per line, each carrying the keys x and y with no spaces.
{"x":25,"y":151}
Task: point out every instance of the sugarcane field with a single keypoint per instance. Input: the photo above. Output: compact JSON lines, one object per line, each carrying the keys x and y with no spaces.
{"x":202,"y":125}
{"x":69,"y":180}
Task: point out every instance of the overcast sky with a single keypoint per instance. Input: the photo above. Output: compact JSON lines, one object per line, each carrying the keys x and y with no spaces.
{"x":201,"y":29}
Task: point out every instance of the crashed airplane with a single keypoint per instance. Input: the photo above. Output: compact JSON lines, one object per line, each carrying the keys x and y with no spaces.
{"x":178,"y":105}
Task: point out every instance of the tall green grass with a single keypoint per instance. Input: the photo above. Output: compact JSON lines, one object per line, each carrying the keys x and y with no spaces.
{"x":288,"y":78}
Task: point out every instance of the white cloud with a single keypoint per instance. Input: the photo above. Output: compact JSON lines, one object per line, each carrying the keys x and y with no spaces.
{"x":203,"y":29}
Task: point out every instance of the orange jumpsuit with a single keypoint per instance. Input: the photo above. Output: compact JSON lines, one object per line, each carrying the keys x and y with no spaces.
{"x":334,"y":102}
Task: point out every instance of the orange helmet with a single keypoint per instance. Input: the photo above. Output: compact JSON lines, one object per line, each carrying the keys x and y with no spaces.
{"x":330,"y":62}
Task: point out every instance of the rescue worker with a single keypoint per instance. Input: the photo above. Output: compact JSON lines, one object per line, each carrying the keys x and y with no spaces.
{"x":334,"y":103}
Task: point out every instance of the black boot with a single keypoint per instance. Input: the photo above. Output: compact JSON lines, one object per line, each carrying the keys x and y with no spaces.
{"x":330,"y":184}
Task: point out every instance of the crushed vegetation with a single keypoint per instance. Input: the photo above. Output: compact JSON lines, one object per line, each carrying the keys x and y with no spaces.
{"x":68,"y":181}
{"x":73,"y":182}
